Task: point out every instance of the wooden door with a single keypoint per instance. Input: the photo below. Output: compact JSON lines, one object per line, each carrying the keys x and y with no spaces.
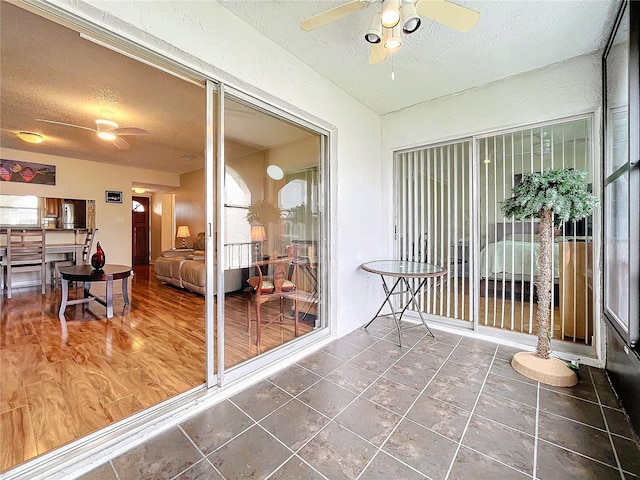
{"x":140,"y":231}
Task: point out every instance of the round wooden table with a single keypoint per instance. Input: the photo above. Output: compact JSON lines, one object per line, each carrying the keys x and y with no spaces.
{"x":87,"y":275}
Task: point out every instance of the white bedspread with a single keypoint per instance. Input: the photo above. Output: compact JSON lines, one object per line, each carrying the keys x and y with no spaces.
{"x":514,"y":257}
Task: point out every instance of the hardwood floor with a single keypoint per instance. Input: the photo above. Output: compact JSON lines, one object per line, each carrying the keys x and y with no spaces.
{"x":153,"y":349}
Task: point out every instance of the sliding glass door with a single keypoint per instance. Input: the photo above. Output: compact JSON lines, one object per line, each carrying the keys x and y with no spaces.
{"x":448,"y":200}
{"x":622,"y":176}
{"x":433,"y":223}
{"x":509,"y":249}
{"x":269,"y":232}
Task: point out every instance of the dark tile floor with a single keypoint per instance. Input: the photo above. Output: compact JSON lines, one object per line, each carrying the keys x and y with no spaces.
{"x":445,"y":408}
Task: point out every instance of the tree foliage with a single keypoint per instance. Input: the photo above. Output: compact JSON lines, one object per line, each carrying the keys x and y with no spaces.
{"x":563,"y":191}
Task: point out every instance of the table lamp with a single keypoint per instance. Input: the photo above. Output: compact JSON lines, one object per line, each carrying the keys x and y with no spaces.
{"x":258,"y":235}
{"x":183,"y":231}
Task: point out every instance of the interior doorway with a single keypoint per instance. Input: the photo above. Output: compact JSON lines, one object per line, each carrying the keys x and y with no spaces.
{"x":140,"y":231}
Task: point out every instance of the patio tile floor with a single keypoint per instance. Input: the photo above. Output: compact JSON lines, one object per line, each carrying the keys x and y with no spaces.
{"x":448,"y":407}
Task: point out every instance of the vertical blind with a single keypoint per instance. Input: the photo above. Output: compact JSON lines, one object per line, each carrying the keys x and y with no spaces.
{"x":433,"y":224}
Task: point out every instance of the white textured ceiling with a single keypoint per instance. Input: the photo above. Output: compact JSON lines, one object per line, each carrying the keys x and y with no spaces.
{"x":511,"y":37}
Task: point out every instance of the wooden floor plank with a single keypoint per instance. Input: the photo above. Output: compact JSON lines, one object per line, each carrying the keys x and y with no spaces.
{"x":123,"y":408}
{"x":145,"y":390}
{"x":85,"y":403}
{"x":104,"y":380}
{"x":18,"y":440}
{"x":12,"y":392}
{"x":49,"y":415}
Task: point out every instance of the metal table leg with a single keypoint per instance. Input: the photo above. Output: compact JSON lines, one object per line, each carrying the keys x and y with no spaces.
{"x":393,"y":311}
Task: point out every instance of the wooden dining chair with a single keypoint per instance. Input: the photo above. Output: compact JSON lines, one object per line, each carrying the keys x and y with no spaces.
{"x":69,"y":262}
{"x":279,"y":286}
{"x":25,"y":253}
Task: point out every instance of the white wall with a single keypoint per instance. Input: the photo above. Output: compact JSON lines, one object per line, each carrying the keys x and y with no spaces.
{"x":225,"y":47}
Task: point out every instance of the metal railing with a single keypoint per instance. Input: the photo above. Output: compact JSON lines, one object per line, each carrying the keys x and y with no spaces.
{"x":238,"y":255}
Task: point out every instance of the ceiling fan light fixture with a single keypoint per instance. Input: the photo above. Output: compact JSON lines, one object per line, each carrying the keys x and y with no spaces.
{"x":392,"y":39}
{"x":374,"y":34}
{"x":390,"y":13}
{"x":410,"y":19}
{"x":30,"y":137}
{"x":105,"y":125}
{"x":107,"y":135}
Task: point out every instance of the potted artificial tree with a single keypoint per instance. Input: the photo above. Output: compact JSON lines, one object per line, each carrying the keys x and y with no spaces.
{"x":553,"y":196}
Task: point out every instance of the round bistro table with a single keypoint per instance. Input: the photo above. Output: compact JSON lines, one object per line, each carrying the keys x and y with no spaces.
{"x":402,"y":271}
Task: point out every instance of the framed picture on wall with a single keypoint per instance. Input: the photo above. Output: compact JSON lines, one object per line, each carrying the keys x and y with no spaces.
{"x":27,"y":172}
{"x":111,"y":196}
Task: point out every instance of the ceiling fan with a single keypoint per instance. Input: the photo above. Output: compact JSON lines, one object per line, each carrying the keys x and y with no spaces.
{"x":106,"y":130}
{"x":395,"y":17}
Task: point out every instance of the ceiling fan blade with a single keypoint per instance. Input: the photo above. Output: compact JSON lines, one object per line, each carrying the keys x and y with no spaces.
{"x":449,"y":14}
{"x":120,"y":143}
{"x":65,"y":124}
{"x":378,"y":53}
{"x":130,"y":131}
{"x":332,"y":15}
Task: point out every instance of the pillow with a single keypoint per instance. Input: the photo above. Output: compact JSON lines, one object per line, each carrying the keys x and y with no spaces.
{"x":268,"y":286}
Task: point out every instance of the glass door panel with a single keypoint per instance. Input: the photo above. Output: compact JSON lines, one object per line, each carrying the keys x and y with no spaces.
{"x":434,"y":223}
{"x":507,"y":263}
{"x":271,"y":222}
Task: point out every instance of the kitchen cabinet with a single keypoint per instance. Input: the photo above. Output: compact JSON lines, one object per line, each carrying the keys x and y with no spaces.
{"x":52,"y":207}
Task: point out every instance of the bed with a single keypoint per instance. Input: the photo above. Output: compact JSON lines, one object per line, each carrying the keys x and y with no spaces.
{"x":509,"y":258}
{"x":515,"y":256}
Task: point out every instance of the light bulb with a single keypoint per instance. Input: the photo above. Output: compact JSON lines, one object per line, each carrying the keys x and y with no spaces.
{"x":390,"y":13}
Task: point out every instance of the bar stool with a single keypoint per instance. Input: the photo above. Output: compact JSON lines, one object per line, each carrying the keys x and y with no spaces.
{"x":25,"y":253}
{"x":57,"y":265}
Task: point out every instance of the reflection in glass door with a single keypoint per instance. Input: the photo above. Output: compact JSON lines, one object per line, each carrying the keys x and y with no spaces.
{"x":270,"y":231}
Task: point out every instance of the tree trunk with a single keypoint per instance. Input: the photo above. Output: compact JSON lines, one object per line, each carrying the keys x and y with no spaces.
{"x":544,"y":283}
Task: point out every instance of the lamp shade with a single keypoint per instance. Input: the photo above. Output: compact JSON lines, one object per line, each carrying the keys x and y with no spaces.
{"x":410,"y":19}
{"x":257,"y":233}
{"x":374,"y":34}
{"x":392,"y":39}
{"x":183,"y":231}
{"x":390,"y":13}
